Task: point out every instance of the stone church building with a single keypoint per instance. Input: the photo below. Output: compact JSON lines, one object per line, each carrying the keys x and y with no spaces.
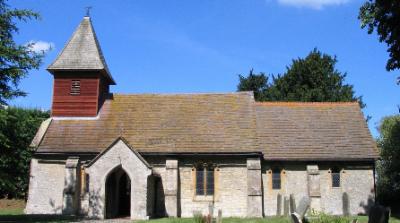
{"x":108,"y":155}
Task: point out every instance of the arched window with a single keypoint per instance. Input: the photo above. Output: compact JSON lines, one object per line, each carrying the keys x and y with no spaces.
{"x":276,"y":179}
{"x":205,"y":180}
{"x":335,"y":174}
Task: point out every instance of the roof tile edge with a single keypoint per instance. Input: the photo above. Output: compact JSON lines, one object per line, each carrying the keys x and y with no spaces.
{"x":301,"y":104}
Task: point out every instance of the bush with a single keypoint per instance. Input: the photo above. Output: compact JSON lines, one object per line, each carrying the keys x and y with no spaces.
{"x":198,"y":218}
{"x":18,"y":126}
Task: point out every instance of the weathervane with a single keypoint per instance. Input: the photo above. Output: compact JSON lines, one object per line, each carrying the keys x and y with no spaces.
{"x":88,"y":8}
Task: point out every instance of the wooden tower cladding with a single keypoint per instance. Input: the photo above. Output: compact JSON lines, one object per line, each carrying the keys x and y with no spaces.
{"x":78,"y":94}
{"x":81,"y":76}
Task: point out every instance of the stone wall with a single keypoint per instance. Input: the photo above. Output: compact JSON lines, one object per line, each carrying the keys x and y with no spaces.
{"x":230,"y":186}
{"x":356,"y":180}
{"x":232,"y":192}
{"x":294,"y":180}
{"x":46,"y":186}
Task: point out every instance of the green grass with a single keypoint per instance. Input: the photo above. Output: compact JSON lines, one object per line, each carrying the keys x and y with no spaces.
{"x":13,"y":211}
{"x":225,"y":220}
{"x":361,"y":219}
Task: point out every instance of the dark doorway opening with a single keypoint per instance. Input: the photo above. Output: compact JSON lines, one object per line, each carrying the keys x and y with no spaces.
{"x":118,"y":194}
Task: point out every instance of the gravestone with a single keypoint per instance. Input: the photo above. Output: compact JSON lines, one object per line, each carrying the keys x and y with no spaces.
{"x":219,"y":217}
{"x":286,"y":206}
{"x":296,"y":218}
{"x":292,"y":203}
{"x":304,"y":204}
{"x":378,"y":214}
{"x":298,"y":215}
{"x":211,"y":209}
{"x":346,"y":204}
{"x":279,"y":205}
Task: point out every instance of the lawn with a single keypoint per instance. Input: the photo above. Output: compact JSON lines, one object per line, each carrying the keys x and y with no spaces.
{"x":11,"y":207}
{"x":361,"y":219}
{"x":12,"y":211}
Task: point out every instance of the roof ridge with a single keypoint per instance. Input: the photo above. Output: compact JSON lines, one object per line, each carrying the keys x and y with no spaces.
{"x":186,"y":93}
{"x":303,"y":103}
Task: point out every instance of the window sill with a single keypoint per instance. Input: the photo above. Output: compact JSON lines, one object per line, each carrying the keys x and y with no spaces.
{"x":206,"y":198}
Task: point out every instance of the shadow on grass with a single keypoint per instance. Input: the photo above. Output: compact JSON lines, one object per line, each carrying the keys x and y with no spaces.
{"x":37,"y":218}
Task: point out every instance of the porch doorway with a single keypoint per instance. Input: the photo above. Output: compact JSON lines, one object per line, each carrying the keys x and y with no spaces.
{"x":118,"y":194}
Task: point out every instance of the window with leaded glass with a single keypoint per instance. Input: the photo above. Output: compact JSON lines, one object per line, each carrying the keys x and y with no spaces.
{"x":210,"y":181}
{"x":335,"y":173}
{"x":200,"y":181}
{"x":204,"y":180}
{"x":276,"y":179}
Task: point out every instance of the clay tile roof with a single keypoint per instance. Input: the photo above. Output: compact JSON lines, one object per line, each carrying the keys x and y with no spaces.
{"x":218,"y":123}
{"x":82,"y":52}
{"x":162,"y":123}
{"x":313,"y":131}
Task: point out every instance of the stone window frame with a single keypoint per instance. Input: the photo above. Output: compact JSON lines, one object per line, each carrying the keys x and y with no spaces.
{"x":84,"y":181}
{"x":282,"y":175}
{"x":341,"y":174}
{"x":216,"y":171}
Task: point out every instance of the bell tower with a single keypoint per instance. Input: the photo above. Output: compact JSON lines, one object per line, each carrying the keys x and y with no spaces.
{"x":81,"y":77}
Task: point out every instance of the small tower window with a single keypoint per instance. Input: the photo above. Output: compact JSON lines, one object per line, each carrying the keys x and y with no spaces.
{"x":276,"y":179}
{"x":75,"y":87}
{"x":335,"y":177}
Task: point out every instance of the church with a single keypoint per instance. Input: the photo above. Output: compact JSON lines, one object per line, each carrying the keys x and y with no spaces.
{"x":107,"y":155}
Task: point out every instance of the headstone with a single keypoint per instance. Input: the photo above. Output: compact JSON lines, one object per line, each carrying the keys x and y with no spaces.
{"x":211,"y":209}
{"x":279,"y":205}
{"x":286,"y":206}
{"x":292,"y":203}
{"x":219,"y":218}
{"x":296,"y":218}
{"x":346,"y":204}
{"x":378,"y":214}
{"x":303,"y":206}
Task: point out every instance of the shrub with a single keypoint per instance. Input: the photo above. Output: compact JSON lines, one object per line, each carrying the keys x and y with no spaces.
{"x":198,"y":218}
{"x":18,"y":126}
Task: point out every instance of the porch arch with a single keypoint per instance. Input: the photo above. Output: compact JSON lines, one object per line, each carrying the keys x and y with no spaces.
{"x":117,"y":193}
{"x":119,"y":158}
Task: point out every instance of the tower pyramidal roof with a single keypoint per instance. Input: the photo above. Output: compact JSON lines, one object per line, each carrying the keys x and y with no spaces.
{"x":82,"y":53}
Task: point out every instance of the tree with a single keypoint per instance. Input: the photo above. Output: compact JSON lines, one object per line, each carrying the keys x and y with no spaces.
{"x":18,"y":126}
{"x":384,"y":17}
{"x":389,"y":167}
{"x":258,"y":83}
{"x":313,"y":79}
{"x":15,"y":60}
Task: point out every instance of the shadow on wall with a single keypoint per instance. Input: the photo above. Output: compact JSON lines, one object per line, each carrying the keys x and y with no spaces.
{"x":94,"y":200}
{"x":55,"y":209}
{"x":159,"y":198}
{"x":178,"y":196}
{"x":345,"y":204}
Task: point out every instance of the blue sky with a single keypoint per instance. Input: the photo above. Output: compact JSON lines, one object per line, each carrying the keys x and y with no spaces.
{"x":201,"y":46}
